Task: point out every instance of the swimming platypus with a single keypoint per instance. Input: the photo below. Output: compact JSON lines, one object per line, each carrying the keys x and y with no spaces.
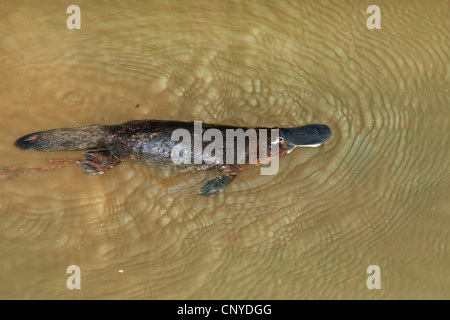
{"x":152,"y":142}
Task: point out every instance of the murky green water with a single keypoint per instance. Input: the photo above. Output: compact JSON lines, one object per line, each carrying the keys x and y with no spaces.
{"x":375,"y":194}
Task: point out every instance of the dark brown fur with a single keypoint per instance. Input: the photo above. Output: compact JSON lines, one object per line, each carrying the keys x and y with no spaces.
{"x":147,"y":141}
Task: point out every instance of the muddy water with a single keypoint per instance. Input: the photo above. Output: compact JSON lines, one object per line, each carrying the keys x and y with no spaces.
{"x":375,"y":194}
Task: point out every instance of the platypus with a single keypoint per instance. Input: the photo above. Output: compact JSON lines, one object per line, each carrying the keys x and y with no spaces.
{"x":151,"y":142}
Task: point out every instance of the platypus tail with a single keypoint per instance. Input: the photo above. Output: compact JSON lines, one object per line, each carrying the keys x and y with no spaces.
{"x":65,"y":139}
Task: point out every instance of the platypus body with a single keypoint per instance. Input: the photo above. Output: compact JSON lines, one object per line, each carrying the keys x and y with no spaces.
{"x":151,"y":142}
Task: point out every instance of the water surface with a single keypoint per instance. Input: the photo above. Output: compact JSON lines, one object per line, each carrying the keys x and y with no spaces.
{"x":374,"y":194}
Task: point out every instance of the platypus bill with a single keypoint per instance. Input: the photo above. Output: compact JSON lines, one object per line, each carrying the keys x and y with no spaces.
{"x":150,"y":141}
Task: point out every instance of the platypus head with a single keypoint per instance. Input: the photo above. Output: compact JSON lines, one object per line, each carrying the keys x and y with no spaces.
{"x":311,"y":135}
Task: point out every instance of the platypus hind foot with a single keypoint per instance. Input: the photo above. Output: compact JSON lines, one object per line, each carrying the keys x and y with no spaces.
{"x":98,"y":162}
{"x":212,"y":186}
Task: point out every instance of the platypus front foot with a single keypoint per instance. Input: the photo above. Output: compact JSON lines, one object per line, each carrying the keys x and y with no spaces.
{"x":98,"y":162}
{"x":217,"y":184}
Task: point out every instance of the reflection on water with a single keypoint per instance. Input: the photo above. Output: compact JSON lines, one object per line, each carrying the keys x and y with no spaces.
{"x":373,"y":194}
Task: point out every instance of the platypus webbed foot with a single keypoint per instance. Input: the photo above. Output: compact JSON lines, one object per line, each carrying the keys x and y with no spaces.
{"x":212,"y":186}
{"x":98,"y":162}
